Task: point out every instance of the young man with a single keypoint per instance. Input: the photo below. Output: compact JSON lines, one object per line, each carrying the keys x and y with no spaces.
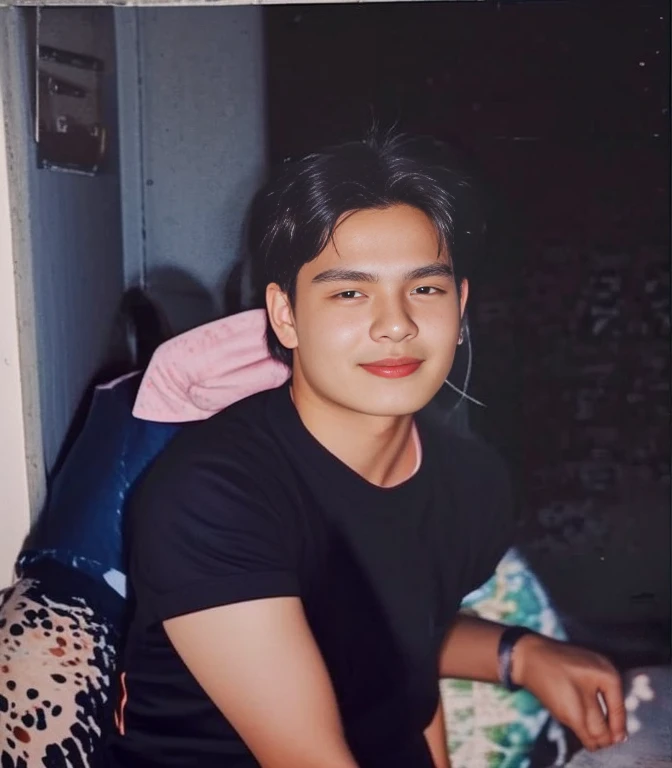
{"x":299,"y":559}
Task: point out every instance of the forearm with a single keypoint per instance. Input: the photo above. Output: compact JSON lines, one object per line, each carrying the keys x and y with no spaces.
{"x":581,"y":689}
{"x":435,"y":735}
{"x":469,"y":651}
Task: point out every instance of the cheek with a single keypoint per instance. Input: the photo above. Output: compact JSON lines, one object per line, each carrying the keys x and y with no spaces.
{"x":443,"y":328}
{"x":325,"y":332}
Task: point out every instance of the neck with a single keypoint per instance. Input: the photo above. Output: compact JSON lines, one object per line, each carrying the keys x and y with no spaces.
{"x":381,"y":449}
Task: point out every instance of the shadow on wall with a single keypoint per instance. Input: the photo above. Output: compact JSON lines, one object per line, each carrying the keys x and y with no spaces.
{"x":182,"y":299}
{"x":174,"y":302}
{"x":186,"y":303}
{"x":235,"y":284}
{"x":188,"y":300}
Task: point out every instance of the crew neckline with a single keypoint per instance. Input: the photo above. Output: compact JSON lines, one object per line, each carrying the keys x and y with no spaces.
{"x":339,"y":475}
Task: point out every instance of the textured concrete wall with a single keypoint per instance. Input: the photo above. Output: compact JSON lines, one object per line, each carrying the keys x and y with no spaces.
{"x":599,"y":379}
{"x":591,"y":326}
{"x":198,"y":119}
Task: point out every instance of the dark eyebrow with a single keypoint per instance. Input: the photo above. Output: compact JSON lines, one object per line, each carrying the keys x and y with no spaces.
{"x":439,"y":269}
{"x":344,"y":275}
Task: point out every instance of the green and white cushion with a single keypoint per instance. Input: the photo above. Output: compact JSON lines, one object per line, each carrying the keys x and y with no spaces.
{"x":489,"y":727}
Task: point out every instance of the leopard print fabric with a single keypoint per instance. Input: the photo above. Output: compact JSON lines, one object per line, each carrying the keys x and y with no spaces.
{"x":57,"y":660}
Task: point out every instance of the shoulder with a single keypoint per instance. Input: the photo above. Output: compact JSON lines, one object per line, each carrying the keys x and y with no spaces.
{"x":220,"y":482}
{"x":478,"y":460}
{"x":226,"y":455}
{"x":475,"y":478}
{"x":470,"y":462}
{"x":239,"y":436}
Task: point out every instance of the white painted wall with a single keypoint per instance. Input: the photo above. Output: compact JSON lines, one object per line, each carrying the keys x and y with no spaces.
{"x":193,"y":144}
{"x":14,"y":469}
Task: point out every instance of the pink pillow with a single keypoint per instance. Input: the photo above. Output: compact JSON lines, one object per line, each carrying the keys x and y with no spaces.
{"x":201,"y":372}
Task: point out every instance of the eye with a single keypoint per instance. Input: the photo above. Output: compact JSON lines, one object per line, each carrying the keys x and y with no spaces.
{"x":427,"y":290}
{"x":348,"y":295}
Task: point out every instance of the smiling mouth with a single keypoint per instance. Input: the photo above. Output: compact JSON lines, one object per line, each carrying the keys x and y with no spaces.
{"x":393,"y":367}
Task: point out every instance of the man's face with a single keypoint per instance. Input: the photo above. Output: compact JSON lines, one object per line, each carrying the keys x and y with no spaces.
{"x":377,"y":316}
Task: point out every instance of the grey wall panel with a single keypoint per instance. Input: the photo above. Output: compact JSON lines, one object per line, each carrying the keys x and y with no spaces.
{"x":75,"y":224}
{"x":202,"y":116}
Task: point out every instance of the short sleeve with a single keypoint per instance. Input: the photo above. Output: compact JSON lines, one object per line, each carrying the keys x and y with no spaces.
{"x":202,"y":536}
{"x":490,"y":523}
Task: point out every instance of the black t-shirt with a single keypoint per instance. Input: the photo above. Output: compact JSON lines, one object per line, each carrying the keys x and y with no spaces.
{"x":248,"y":505}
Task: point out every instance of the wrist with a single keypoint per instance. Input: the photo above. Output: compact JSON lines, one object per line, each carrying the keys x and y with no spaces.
{"x":522,"y":659}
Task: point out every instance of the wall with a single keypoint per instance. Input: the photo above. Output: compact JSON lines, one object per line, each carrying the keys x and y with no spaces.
{"x":594,"y":482}
{"x":570,"y":313}
{"x":195,"y":123}
{"x":74,"y":227}
{"x":15,"y":463}
{"x":191,"y":99}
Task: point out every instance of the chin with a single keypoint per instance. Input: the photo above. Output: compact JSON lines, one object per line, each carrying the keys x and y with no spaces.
{"x":372,"y":396}
{"x":399,"y":404}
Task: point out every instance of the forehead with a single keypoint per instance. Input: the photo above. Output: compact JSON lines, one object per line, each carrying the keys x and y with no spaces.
{"x":399,"y":235}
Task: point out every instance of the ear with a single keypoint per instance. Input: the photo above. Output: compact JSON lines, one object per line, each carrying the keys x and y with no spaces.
{"x":281,"y":316}
{"x":464,"y":295}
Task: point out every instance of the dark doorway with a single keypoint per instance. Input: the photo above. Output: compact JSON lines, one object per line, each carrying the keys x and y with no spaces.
{"x":563,"y":108}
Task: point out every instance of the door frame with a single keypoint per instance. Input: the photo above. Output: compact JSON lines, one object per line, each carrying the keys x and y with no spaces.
{"x":22,"y":471}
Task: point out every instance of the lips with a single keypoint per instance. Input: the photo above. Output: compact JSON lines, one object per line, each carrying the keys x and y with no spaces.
{"x":393,"y":367}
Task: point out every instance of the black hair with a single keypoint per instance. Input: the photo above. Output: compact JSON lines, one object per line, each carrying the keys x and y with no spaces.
{"x":294,"y":215}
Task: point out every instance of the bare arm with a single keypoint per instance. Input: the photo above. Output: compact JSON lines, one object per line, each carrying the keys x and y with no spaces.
{"x":260,"y":665}
{"x":576,"y":685}
{"x":435,"y":734}
{"x":469,"y":651}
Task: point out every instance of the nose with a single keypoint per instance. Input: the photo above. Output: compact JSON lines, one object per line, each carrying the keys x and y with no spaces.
{"x":393,"y":322}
